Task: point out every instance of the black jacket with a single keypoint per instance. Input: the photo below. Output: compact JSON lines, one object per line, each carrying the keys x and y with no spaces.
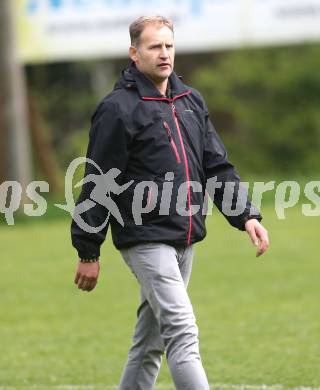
{"x":145,"y":135}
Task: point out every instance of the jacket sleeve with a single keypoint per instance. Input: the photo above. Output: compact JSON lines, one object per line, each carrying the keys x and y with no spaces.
{"x":109,"y":140}
{"x":228,"y":193}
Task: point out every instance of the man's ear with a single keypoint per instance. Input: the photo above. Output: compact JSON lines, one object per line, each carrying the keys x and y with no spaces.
{"x":133,"y":53}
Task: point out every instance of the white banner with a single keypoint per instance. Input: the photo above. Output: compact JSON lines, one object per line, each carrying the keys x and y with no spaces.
{"x":54,"y":30}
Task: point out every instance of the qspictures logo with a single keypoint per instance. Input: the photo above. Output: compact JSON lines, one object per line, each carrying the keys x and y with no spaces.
{"x":148,"y":196}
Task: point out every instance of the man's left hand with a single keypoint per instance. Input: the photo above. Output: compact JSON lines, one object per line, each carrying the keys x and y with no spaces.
{"x":87,"y":275}
{"x":258,"y":235}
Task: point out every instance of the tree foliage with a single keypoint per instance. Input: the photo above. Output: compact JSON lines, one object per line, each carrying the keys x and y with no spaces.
{"x":265,"y":103}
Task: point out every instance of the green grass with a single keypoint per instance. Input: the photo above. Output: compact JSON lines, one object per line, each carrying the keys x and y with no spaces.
{"x":258,"y":318}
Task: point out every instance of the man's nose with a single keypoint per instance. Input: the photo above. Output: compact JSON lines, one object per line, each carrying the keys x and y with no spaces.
{"x":164,"y":53}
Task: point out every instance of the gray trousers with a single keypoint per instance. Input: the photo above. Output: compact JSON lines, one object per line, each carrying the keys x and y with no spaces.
{"x":166,"y":322}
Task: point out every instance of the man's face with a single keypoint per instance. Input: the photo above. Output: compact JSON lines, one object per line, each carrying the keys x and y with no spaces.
{"x":155,"y":54}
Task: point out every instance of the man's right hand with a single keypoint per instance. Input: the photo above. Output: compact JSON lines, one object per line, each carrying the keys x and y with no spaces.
{"x":87,"y":275}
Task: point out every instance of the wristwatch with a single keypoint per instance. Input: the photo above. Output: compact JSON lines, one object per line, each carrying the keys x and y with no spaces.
{"x":93,"y":260}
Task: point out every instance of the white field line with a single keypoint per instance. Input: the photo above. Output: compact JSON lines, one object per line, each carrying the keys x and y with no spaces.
{"x":213,"y":386}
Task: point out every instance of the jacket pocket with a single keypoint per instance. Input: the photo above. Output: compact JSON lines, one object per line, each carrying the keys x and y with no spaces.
{"x":172,"y":143}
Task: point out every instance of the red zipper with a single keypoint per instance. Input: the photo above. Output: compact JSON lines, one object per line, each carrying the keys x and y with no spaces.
{"x":171,"y":101}
{"x":172,"y":143}
{"x":149,"y":196}
{"x":174,"y":113}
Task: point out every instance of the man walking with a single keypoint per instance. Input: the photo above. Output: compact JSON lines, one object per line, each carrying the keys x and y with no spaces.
{"x":157,"y":133}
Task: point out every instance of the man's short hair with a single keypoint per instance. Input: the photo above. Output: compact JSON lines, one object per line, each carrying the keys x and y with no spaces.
{"x":138,"y":25}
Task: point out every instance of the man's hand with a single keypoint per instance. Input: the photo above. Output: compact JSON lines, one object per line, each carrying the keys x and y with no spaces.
{"x":87,"y":275}
{"x":258,"y":235}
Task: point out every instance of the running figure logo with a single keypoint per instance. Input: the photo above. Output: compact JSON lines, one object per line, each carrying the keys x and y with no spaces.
{"x":105,"y":185}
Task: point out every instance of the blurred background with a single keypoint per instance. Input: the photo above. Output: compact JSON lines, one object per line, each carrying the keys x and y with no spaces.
{"x":257,"y":64}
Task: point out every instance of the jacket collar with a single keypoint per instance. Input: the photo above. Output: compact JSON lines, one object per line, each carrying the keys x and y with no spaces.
{"x":134,"y":78}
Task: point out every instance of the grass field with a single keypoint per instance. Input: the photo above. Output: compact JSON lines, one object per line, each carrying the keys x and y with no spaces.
{"x":259,"y":319}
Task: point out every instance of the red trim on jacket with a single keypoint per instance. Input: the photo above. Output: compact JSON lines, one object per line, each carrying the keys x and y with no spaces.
{"x":165,"y":99}
{"x":172,"y":143}
{"x":186,"y":163}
